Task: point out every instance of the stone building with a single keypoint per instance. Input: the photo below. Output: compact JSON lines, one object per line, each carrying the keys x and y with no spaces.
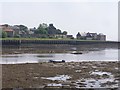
{"x":91,"y":36}
{"x":51,"y":29}
{"x":6,"y":28}
{"x":16,"y":30}
{"x":101,"y":37}
{"x":70,"y":37}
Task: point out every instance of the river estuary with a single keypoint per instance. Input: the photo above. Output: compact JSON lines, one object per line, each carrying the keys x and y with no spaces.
{"x":98,"y":55}
{"x":29,"y":66}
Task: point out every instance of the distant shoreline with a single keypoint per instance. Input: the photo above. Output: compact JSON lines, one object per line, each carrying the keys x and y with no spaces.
{"x":53,"y":39}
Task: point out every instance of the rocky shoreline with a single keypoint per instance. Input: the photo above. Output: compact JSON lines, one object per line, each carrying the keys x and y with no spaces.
{"x":96,"y":74}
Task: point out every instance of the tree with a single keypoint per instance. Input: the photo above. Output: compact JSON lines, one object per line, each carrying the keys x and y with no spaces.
{"x":64,"y":32}
{"x":44,"y":25}
{"x":23,"y":27}
{"x":42,"y":29}
{"x":4,"y":34}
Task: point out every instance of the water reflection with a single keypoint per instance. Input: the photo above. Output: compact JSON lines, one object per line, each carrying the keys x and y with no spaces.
{"x":43,"y":53}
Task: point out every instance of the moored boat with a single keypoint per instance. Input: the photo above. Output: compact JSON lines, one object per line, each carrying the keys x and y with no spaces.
{"x":57,"y":61}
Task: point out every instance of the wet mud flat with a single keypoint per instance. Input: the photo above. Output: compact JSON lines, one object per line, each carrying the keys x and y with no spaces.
{"x":95,"y":74}
{"x":54,"y":48}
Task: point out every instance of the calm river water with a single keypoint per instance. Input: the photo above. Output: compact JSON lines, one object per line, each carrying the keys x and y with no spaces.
{"x":107,"y":54}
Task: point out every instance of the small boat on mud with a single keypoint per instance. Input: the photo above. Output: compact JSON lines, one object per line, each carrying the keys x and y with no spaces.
{"x":57,"y":61}
{"x":77,"y":53}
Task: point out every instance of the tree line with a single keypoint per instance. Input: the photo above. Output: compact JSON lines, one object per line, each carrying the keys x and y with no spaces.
{"x":42,"y":29}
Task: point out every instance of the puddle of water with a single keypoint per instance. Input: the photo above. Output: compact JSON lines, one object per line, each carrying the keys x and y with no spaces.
{"x":54,"y":84}
{"x":84,"y":67}
{"x":103,"y":82}
{"x":58,"y":77}
{"x":92,"y":83}
{"x":111,"y":86}
{"x":78,"y":71}
{"x":35,"y":77}
{"x":101,"y":73}
{"x":117,"y":68}
{"x":94,"y":67}
{"x":108,"y":80}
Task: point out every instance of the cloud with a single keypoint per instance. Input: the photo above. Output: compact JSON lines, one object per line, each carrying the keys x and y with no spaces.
{"x":100,"y":17}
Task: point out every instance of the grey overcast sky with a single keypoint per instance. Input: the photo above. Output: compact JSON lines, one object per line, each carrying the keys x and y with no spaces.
{"x":95,"y":16}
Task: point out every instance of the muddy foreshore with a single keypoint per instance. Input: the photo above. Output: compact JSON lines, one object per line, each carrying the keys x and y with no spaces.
{"x":50,"y":75}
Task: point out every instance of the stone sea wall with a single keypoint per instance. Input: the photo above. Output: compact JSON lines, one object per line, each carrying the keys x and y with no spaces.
{"x":69,"y":42}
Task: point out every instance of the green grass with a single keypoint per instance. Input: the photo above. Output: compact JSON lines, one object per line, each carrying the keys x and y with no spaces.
{"x":32,"y":39}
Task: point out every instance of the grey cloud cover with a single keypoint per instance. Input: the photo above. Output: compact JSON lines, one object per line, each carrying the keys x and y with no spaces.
{"x":99,"y":17}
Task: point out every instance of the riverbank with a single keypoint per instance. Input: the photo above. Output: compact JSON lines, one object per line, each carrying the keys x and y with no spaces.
{"x":61,"y":75}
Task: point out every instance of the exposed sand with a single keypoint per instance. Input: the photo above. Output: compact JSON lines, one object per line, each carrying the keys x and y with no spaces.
{"x":38,"y":75}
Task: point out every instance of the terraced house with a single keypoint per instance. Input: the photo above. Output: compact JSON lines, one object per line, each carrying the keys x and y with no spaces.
{"x":91,"y":36}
